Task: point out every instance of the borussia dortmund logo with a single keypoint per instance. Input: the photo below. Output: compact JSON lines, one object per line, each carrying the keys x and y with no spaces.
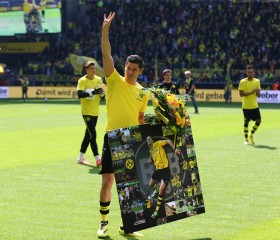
{"x":141,"y":95}
{"x":129,"y":164}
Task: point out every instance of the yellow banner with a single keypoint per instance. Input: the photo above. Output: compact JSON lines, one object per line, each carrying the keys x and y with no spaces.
{"x":215,"y":95}
{"x":78,"y":63}
{"x":202,"y":95}
{"x":22,"y":47}
{"x":44,"y":92}
{"x":4,"y":9}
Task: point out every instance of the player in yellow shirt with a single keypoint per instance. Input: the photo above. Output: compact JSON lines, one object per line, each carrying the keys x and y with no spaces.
{"x":249,"y":89}
{"x":26,"y":7}
{"x":89,"y":92}
{"x":162,"y":173}
{"x":126,"y":103}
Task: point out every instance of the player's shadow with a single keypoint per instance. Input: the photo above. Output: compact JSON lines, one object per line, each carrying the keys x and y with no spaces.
{"x":106,"y":238}
{"x":128,"y":237}
{"x":201,"y":239}
{"x":93,"y":169}
{"x":264,"y":147}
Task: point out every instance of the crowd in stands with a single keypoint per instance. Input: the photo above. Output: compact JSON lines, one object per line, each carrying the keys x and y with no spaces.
{"x":217,"y":38}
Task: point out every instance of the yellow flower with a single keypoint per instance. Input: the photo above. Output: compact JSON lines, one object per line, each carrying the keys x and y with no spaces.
{"x":169,"y":98}
{"x":178,"y":118}
{"x":183,"y":121}
{"x":182,"y":105}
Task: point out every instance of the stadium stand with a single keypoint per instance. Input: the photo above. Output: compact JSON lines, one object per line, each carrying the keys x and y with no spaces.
{"x":215,"y":39}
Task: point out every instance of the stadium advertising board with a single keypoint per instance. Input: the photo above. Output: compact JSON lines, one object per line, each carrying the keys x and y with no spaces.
{"x":268,"y":96}
{"x":23,"y":47}
{"x":215,"y":95}
{"x":4,"y":92}
{"x":209,"y":95}
{"x":131,"y":154}
{"x":44,"y":92}
{"x":202,"y":95}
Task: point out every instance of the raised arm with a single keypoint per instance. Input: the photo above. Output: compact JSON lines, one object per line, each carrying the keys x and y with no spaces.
{"x":108,"y":63}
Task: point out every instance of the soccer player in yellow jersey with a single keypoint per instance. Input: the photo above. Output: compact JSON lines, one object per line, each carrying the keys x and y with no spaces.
{"x":126,"y":104}
{"x":89,"y":92}
{"x":249,"y":90}
{"x":26,"y":7}
{"x":162,"y":173}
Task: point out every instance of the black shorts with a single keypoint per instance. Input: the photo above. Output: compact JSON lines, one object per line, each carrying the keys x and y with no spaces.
{"x":251,"y":114}
{"x":162,"y":174}
{"x":106,"y":165}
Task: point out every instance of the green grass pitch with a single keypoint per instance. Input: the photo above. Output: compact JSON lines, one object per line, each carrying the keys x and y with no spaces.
{"x":44,"y":194}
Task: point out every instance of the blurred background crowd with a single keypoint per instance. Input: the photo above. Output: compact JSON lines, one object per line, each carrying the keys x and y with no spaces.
{"x":214,"y":39}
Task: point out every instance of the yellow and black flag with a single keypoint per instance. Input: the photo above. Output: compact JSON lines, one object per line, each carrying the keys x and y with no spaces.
{"x":78,"y":63}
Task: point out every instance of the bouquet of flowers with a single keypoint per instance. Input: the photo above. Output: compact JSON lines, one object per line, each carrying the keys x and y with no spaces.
{"x":169,"y":108}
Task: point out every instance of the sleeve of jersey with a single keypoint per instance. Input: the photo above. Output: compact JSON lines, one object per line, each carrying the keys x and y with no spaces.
{"x":240,"y":87}
{"x":162,"y":143}
{"x":145,"y":102}
{"x":113,"y":77}
{"x":80,"y":86}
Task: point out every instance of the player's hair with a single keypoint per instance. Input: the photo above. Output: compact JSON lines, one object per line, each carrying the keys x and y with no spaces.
{"x":88,"y":63}
{"x":135,"y":59}
{"x":166,"y":71}
{"x":150,"y":137}
{"x":249,"y":67}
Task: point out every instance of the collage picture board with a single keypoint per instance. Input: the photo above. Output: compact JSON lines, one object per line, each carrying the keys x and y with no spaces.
{"x":130,"y":154}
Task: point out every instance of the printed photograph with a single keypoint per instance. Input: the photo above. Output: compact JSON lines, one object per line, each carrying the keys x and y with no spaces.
{"x":156,"y":175}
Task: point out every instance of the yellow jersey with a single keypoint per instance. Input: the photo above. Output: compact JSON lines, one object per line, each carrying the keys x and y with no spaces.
{"x":26,"y":7}
{"x":43,"y":5}
{"x":90,"y":106}
{"x":250,"y":101}
{"x":158,"y":154}
{"x":124,"y":102}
